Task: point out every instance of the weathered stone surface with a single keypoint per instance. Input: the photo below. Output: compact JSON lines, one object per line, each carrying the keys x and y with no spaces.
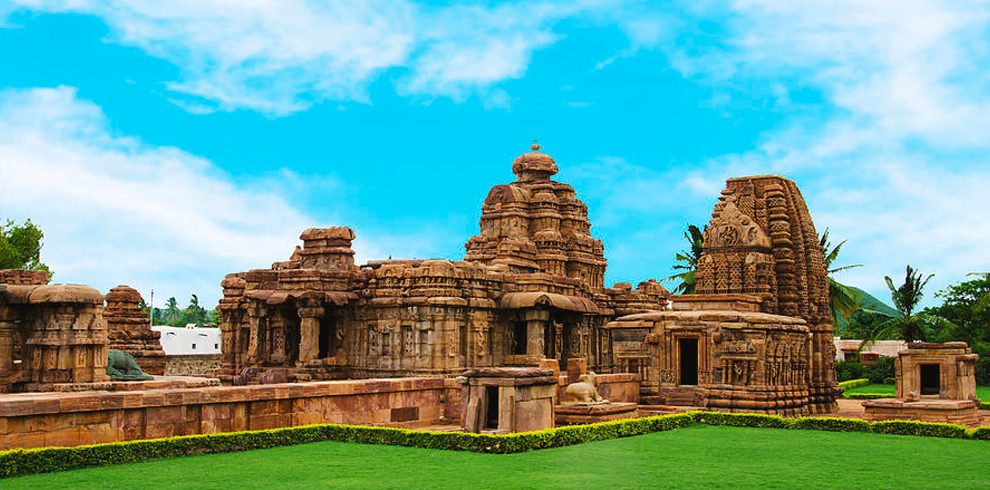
{"x":70,"y":419}
{"x":130,"y":330}
{"x":52,"y":337}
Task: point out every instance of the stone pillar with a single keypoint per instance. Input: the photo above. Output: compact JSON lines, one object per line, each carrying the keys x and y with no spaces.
{"x":309,"y":333}
{"x":256,"y":317}
{"x":6,"y":347}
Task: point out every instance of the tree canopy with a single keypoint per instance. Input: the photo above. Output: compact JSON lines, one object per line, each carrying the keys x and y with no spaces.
{"x":20,"y":246}
{"x":688,"y":260}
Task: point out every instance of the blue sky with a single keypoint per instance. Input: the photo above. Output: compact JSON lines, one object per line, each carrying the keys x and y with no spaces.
{"x":163,"y":145}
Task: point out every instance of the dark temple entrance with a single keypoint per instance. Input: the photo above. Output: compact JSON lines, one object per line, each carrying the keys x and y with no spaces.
{"x":689,"y":361}
{"x":491,"y":407}
{"x":931,"y":379}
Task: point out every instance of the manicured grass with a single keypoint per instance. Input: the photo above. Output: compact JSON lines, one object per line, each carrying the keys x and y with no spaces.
{"x":699,"y":456}
{"x":982,"y":392}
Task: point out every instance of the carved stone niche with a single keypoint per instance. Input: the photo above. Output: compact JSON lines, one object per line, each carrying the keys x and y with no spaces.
{"x":504,"y":400}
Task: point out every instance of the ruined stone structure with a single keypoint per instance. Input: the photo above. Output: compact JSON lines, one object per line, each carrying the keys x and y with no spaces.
{"x":531,"y":287}
{"x":130,"y":330}
{"x":52,"y":337}
{"x":757,"y":336}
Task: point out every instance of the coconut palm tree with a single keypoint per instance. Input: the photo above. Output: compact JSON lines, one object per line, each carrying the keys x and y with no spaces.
{"x":172,"y":312}
{"x":843,"y":300}
{"x":907,"y":324}
{"x":688,"y":260}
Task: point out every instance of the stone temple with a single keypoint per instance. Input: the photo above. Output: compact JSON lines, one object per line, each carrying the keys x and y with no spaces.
{"x":479,"y":344}
{"x":756,"y":337}
{"x":530,"y":288}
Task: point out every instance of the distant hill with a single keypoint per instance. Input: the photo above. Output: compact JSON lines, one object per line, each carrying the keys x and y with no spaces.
{"x":867,"y":301}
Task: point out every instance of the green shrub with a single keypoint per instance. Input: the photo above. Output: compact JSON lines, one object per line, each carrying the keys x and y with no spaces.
{"x":854,"y":383}
{"x":847,"y":370}
{"x":913,"y":428}
{"x":833,"y":424}
{"x":982,"y":433}
{"x":741,"y":419}
{"x":881,"y":369}
{"x":889,"y":381}
{"x":984,"y":405}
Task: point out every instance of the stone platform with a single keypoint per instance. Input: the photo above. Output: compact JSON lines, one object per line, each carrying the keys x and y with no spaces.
{"x":962,"y":412}
{"x":591,"y":413}
{"x":29,"y":420}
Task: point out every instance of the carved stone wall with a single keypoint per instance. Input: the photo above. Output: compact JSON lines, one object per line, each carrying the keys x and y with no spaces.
{"x":52,"y":337}
{"x":130,"y":330}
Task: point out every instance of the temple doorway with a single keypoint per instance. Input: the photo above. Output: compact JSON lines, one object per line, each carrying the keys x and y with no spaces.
{"x":931,"y":379}
{"x":688,"y":348}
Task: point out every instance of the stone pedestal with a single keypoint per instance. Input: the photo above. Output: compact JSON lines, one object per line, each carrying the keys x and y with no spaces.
{"x":590,"y":414}
{"x":504,"y":400}
{"x":962,"y":412}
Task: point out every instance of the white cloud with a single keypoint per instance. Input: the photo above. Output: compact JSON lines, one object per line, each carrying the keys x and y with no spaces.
{"x":279,"y":57}
{"x":899,"y":163}
{"x":115,"y":210}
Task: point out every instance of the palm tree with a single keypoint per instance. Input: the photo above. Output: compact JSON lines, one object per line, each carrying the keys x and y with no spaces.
{"x":689,"y":260}
{"x":171,"y":310}
{"x":843,"y":300}
{"x":907,"y":324}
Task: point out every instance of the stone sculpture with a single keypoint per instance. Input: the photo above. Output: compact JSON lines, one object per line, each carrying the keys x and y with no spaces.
{"x":122,"y":367}
{"x":584,"y":392}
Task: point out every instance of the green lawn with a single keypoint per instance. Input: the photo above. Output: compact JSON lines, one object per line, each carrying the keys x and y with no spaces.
{"x":699,"y":456}
{"x":982,"y":392}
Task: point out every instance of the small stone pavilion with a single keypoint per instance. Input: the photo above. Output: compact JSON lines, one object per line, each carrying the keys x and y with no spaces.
{"x":530,"y":288}
{"x":935,"y":383}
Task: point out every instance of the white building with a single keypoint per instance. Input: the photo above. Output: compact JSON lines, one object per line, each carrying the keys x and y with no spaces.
{"x":849,"y":347}
{"x":189,"y":340}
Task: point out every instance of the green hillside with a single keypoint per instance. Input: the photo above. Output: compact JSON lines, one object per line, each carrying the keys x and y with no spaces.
{"x":867,"y":301}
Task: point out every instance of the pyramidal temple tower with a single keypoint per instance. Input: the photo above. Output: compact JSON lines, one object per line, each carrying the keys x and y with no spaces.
{"x":538,"y":225}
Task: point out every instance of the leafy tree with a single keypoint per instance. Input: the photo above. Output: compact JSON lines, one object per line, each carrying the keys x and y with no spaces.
{"x":688,"y":260}
{"x":908,"y":325}
{"x":969,"y":321}
{"x":20,"y":247}
{"x":843,"y":300}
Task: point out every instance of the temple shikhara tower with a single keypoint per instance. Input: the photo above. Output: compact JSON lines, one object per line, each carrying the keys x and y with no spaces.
{"x":757,"y":336}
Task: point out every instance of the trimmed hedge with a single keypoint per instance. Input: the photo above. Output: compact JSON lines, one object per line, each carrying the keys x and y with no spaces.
{"x":912,"y":428}
{"x":833,"y":424}
{"x":854,"y":383}
{"x":44,"y":460}
{"x":867,"y":396}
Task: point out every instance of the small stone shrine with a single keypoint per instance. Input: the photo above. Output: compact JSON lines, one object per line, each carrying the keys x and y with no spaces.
{"x":52,"y":337}
{"x":130,"y":330}
{"x":935,"y":383}
{"x":504,"y":400}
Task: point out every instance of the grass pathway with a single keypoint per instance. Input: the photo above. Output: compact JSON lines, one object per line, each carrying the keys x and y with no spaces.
{"x":699,"y":456}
